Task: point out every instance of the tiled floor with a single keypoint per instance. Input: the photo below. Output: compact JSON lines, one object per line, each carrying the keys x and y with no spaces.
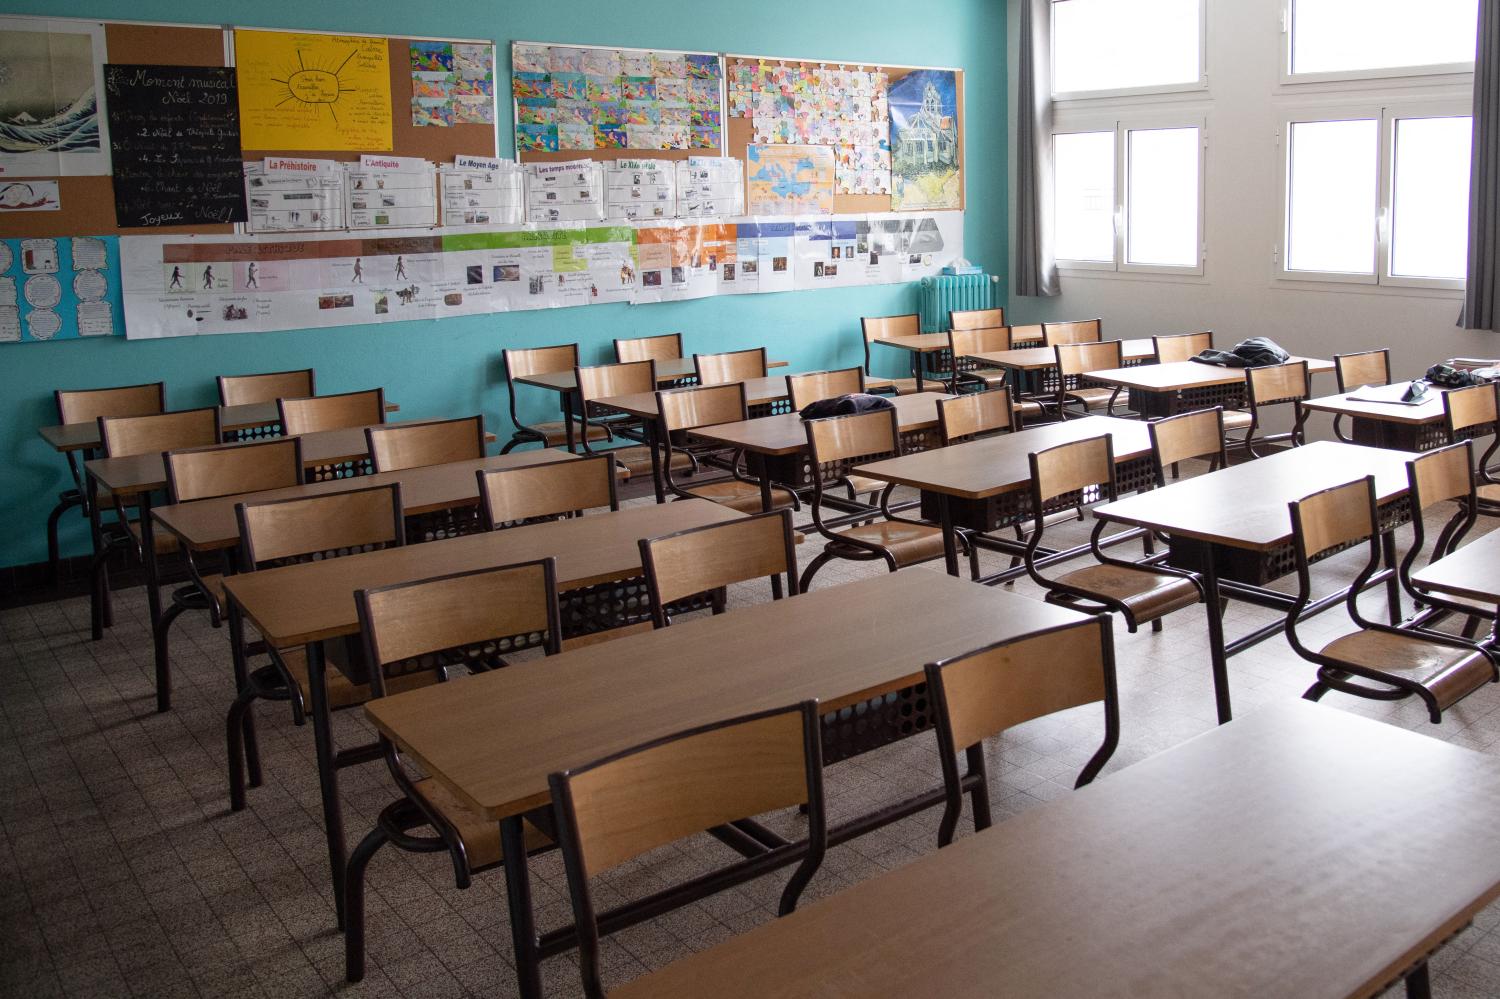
{"x":122,"y":871}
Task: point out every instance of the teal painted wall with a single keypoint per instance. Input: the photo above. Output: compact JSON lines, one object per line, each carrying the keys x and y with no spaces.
{"x":452,"y":367}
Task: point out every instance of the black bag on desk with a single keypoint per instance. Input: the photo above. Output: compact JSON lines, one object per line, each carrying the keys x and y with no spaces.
{"x":846,"y":405}
{"x":1256,"y":352}
{"x":1450,"y":377}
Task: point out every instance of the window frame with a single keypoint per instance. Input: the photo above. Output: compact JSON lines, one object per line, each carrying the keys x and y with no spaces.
{"x":1194,"y":86}
{"x":1424,"y":73}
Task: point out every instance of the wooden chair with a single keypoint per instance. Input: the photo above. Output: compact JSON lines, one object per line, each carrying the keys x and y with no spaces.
{"x":1077,"y":331}
{"x":1031,"y":333}
{"x":627,"y":378}
{"x":1272,"y":385}
{"x":977,"y":414}
{"x":836,"y":446}
{"x":975,"y":319}
{"x":664,"y":347}
{"x":434,"y":442}
{"x":529,"y":361}
{"x":1175,"y":439}
{"x":733,"y":366}
{"x":1444,"y":475}
{"x":680,"y":411}
{"x":242,"y":390}
{"x":705,"y":560}
{"x":510,"y":497}
{"x":1181,"y":346}
{"x":980,"y":694}
{"x":424,"y":631}
{"x":1473,"y":412}
{"x":885,"y":328}
{"x":331,"y":412}
{"x":123,"y":436}
{"x":815,"y":386}
{"x":86,"y":406}
{"x":1377,"y":661}
{"x":1066,"y":476}
{"x":966,"y":342}
{"x":630,"y":803}
{"x":1366,"y":367}
{"x":285,"y":532}
{"x":1077,"y":359}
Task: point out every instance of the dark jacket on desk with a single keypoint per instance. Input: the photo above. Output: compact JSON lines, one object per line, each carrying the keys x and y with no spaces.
{"x":846,"y":405}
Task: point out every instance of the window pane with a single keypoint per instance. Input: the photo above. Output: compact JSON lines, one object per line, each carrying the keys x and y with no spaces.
{"x":1331,"y":210}
{"x":1112,"y":44}
{"x":1162,"y":198}
{"x":1084,"y":195}
{"x":1333,"y":35}
{"x":1430,"y":210}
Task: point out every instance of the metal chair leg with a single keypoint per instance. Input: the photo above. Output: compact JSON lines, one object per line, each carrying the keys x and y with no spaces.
{"x":354,"y":903}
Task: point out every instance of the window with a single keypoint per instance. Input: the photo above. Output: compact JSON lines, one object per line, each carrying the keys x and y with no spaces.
{"x":1129,"y":197}
{"x":1353,"y":38}
{"x":1379,"y":196}
{"x":1113,"y":46}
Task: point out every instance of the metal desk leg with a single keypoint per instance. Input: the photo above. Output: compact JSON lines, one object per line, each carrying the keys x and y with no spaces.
{"x":1392,"y":585}
{"x":333,"y":817}
{"x":654,"y":444}
{"x":153,"y":604}
{"x":99,"y":610}
{"x":950,"y":539}
{"x":1218,"y":657}
{"x":523,"y":934}
{"x":757,"y":462}
{"x":916,"y":364}
{"x":566,"y":398}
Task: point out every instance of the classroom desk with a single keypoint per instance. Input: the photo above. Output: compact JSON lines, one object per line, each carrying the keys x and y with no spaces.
{"x":250,"y":419}
{"x":1384,"y":424}
{"x":492,"y":739}
{"x":1472,"y":573}
{"x":598,"y":571}
{"x":983,"y":485}
{"x":1271,"y":857}
{"x":1168,"y":389}
{"x":1233,"y":527}
{"x":919,"y":346}
{"x":1033,"y":367}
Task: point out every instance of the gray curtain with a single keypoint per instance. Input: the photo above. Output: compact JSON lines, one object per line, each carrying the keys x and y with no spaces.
{"x":1036,"y":268}
{"x":1482,"y":293}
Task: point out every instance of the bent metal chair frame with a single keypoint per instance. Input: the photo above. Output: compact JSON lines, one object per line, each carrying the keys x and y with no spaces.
{"x":1442,"y":475}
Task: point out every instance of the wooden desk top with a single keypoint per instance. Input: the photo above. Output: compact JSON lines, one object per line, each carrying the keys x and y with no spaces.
{"x":758,"y":392}
{"x":302,"y":603}
{"x":1245,"y":506}
{"x":84,"y":436}
{"x":668,"y":370}
{"x":1184,"y":375}
{"x":204,"y":525}
{"x":1261,"y":858}
{"x":784,"y":433}
{"x":1429,"y":411}
{"x":994,"y":465}
{"x":493,"y":738}
{"x":920,"y":343}
{"x":1469,"y":572}
{"x":1039,"y":358}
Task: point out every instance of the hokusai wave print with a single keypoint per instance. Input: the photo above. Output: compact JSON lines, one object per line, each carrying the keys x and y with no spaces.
{"x":50,"y":81}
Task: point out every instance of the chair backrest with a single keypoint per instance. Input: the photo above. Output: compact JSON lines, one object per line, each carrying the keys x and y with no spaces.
{"x":127,"y":435}
{"x":975,"y":415}
{"x":472,"y":618}
{"x":230,"y":469}
{"x":87,"y":405}
{"x":708,"y":558}
{"x":509,"y":496}
{"x":1278,"y":383}
{"x":1029,"y":333}
{"x":323,"y":526}
{"x":1470,"y":407}
{"x":886,"y":327}
{"x":241,"y":390}
{"x":732,"y":366}
{"x":1181,"y":346}
{"x":626,"y":378}
{"x":1076,"y":331}
{"x":1367,"y":367}
{"x":414,"y":445}
{"x":1333,"y":518}
{"x":980,"y":340}
{"x":1071,"y":468}
{"x":331,"y":412}
{"x":1081,"y":358}
{"x":1440,"y":475}
{"x":701,"y":406}
{"x":1199,"y":434}
{"x":522,"y":361}
{"x":814,"y":386}
{"x":847,"y":439}
{"x":975,"y":319}
{"x":665,"y":347}
{"x":614,"y":810}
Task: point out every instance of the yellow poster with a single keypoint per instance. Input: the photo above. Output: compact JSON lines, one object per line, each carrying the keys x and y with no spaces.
{"x":313,"y":92}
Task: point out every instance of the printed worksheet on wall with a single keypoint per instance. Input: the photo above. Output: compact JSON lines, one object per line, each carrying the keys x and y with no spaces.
{"x":638,"y":190}
{"x":294,"y":195}
{"x":564,"y":192}
{"x":391,"y":192}
{"x":710,"y":186}
{"x":481,"y":191}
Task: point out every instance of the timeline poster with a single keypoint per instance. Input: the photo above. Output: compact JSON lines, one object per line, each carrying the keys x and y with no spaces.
{"x":59,"y":289}
{"x":175,"y":132}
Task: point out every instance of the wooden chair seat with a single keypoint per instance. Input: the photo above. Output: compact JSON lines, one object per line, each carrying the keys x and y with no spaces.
{"x":1488,"y":494}
{"x":990,"y":377}
{"x":1448,"y":673}
{"x":741,"y":496}
{"x":341,"y":692}
{"x":1092,"y":398}
{"x":1148,"y":595}
{"x":1027,"y":407}
{"x":908,"y":386}
{"x":597,"y":637}
{"x":480,"y":835}
{"x":862,"y":484}
{"x":1236,"y":419}
{"x":637,"y":460}
{"x":165,"y":542}
{"x":908,"y":543}
{"x":556,"y":432}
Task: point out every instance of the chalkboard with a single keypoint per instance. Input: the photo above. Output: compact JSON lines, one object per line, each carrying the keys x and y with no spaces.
{"x":175,"y":143}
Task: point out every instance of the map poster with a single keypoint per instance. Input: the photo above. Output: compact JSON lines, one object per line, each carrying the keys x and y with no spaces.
{"x":789,"y":180}
{"x":51,"y":79}
{"x":301,"y":91}
{"x":924,"y":141}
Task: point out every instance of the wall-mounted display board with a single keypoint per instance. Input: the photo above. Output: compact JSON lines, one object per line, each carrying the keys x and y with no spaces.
{"x":59,"y":289}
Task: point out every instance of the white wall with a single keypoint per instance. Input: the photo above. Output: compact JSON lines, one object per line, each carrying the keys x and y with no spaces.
{"x":1238,"y":294}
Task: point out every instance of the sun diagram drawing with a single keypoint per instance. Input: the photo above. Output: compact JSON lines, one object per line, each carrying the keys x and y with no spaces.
{"x":313,"y":92}
{"x":315,"y":85}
